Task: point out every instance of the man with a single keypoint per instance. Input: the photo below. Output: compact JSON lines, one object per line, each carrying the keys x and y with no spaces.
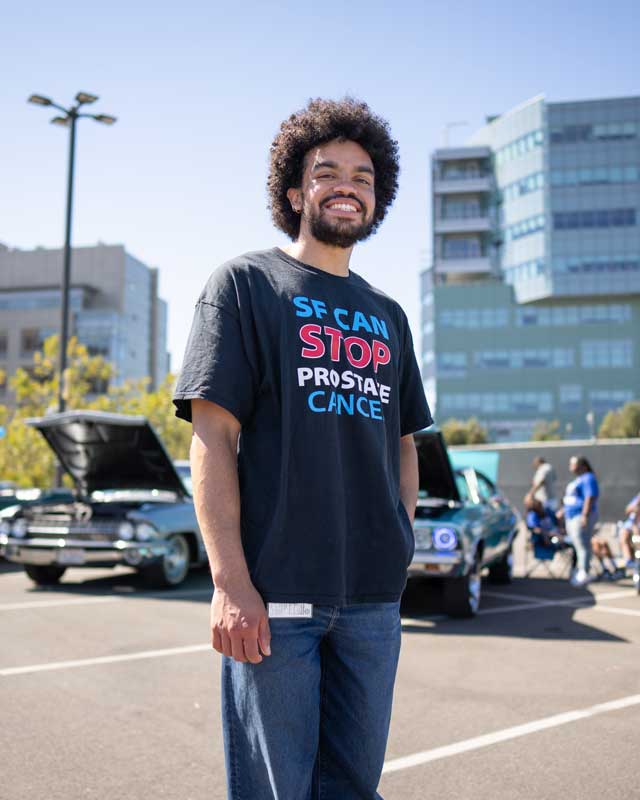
{"x":544,"y":483}
{"x":304,"y":392}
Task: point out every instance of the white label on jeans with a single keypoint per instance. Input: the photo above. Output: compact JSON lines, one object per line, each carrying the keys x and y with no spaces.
{"x":290,"y":609}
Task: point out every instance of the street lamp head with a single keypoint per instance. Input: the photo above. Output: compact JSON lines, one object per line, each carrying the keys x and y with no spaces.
{"x":39,"y":100}
{"x":105,"y":119}
{"x":84,"y":98}
{"x":60,"y":121}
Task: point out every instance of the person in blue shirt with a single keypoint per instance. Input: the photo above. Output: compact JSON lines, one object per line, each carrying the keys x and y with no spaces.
{"x":630,"y":525}
{"x":580,"y":511}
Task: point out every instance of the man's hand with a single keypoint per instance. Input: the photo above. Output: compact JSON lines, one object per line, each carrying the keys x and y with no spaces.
{"x":239,"y":624}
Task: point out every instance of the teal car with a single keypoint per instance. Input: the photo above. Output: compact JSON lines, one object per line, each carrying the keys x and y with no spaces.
{"x":463,"y":526}
{"x":131,"y":504}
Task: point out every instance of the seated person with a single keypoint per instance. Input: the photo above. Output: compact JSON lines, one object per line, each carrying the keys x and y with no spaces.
{"x":602,"y":552}
{"x":541,"y":522}
{"x":629,"y":526}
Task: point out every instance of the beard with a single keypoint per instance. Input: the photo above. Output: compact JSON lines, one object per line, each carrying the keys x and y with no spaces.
{"x":338,"y":232}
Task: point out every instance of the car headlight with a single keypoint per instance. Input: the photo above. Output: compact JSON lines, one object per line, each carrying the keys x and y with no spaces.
{"x":445,"y":539}
{"x":126,"y":530}
{"x":5,"y":527}
{"x":145,"y":531}
{"x":19,"y":528}
{"x":423,"y":538}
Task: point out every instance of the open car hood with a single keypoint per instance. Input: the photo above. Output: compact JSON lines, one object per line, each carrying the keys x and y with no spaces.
{"x":436,"y":475}
{"x":109,"y":451}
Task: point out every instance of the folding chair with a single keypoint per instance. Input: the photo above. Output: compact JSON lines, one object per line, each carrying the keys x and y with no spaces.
{"x":543,"y":552}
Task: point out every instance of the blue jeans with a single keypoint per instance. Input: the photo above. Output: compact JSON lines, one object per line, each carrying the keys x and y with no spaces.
{"x":310,"y":722}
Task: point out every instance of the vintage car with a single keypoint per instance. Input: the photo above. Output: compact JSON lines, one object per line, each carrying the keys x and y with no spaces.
{"x":462,"y":526}
{"x":131,"y":505}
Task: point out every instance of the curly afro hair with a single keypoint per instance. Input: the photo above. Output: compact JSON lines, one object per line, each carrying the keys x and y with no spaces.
{"x":322,"y":121}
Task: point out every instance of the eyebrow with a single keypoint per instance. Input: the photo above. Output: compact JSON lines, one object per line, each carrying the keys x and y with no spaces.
{"x":334,"y":165}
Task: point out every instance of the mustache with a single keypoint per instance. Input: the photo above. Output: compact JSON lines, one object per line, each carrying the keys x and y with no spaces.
{"x":351,"y":197}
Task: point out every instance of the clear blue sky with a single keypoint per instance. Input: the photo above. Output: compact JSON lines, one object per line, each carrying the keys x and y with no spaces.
{"x":200,"y":89}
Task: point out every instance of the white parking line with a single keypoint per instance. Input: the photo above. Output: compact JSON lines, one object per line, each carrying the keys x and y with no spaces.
{"x":427,"y":756}
{"x":109,"y":598}
{"x":630,"y":612}
{"x":90,"y":662}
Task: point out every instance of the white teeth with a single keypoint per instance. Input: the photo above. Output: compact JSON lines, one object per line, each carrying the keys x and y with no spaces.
{"x":344,"y":207}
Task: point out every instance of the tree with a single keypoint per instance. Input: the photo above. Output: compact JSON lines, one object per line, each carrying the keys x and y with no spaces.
{"x":623,"y":423}
{"x":546,"y":431}
{"x":26,"y":459}
{"x":457,"y":431}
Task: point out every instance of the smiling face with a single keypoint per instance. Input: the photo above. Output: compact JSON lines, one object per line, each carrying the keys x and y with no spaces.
{"x":337,"y":198}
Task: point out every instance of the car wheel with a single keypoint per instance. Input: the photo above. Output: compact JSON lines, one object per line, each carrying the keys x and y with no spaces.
{"x":502,"y":571}
{"x":462,"y":595}
{"x":173,"y":567}
{"x":43,"y":575}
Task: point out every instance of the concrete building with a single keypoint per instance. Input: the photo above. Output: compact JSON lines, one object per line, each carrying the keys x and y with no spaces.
{"x":114,"y":309}
{"x":531,"y":305}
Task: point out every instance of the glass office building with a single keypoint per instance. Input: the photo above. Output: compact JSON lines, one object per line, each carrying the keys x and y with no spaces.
{"x":531,"y":306}
{"x":115,"y":310}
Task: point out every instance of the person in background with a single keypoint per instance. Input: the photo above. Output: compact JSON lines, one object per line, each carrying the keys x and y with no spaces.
{"x":630,"y":525}
{"x":602,"y":551}
{"x":540,"y":521}
{"x":543,"y":485}
{"x":580,"y":512}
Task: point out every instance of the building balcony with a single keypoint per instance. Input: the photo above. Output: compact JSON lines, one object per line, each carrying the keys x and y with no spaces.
{"x":474,"y":185}
{"x":462,"y":266}
{"x":463,"y":225}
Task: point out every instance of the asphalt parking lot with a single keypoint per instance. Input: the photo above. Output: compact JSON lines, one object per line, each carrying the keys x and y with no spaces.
{"x":108,"y":690}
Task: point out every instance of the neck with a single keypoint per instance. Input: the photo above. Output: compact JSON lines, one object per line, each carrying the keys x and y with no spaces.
{"x":334,"y":260}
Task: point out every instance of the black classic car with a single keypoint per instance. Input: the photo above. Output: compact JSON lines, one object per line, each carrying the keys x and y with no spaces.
{"x":131,"y":505}
{"x":462,"y":526}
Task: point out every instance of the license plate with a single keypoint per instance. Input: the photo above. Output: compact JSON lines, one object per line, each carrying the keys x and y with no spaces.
{"x":70,"y":556}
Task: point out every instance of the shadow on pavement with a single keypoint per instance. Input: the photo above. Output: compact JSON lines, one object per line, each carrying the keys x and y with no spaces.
{"x":423,"y":599}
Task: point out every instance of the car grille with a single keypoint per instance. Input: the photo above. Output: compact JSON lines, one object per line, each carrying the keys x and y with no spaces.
{"x":93,"y":531}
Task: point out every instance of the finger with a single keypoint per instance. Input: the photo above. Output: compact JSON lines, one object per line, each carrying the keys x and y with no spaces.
{"x":237,"y":650}
{"x":264,"y":636}
{"x":226,"y":644}
{"x":216,"y":640}
{"x":251,"y":651}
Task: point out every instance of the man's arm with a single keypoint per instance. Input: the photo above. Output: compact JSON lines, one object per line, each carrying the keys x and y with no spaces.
{"x":409,"y":475}
{"x":239,"y":621}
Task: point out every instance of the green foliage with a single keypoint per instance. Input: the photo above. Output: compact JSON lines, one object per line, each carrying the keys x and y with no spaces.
{"x":457,"y":431}
{"x":546,"y":431}
{"x":621,"y":424}
{"x":25,"y":458}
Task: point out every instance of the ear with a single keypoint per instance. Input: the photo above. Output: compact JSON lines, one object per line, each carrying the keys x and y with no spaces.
{"x":295,"y":198}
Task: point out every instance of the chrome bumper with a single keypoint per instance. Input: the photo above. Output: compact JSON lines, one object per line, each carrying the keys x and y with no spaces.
{"x":427,"y":563}
{"x":75,"y":553}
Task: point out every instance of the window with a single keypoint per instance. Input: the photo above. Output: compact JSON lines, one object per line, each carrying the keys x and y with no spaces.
{"x":609,"y":399}
{"x":4,"y":343}
{"x":524,"y":228}
{"x":520,"y":147}
{"x":593,"y":176}
{"x":462,"y":208}
{"x":607,"y":353}
{"x":603,"y":218}
{"x":453,"y":364}
{"x":462,"y":247}
{"x":602,"y":132}
{"x":570,"y":397}
{"x":524,"y":186}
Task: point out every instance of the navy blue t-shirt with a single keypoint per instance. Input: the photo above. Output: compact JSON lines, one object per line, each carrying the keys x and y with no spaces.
{"x":321,"y":374}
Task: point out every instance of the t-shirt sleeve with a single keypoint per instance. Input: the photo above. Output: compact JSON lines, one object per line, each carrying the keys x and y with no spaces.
{"x":590,"y":486}
{"x":414,"y":409}
{"x":216,"y":365}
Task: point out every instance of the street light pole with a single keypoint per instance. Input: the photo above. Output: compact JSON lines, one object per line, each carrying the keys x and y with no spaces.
{"x":70,"y":118}
{"x":66,"y":271}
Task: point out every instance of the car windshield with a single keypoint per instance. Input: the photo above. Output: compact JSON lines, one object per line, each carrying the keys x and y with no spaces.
{"x":184,"y":471}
